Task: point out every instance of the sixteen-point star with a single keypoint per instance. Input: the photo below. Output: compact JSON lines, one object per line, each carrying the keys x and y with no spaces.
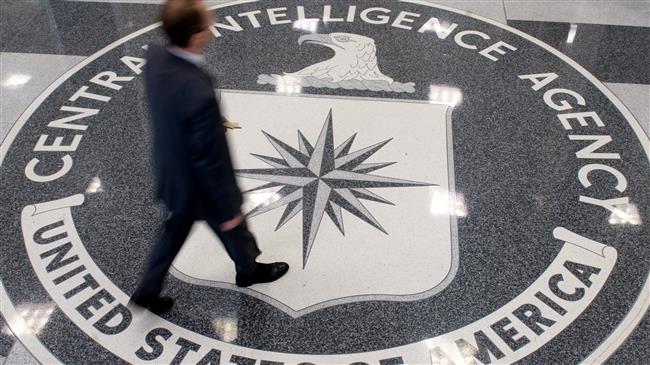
{"x":321,"y":179}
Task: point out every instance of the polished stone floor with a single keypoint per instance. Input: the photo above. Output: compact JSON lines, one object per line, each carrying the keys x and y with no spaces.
{"x":486,"y":197}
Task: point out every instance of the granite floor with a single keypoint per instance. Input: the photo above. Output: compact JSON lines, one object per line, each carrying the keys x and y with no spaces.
{"x":487,"y":197}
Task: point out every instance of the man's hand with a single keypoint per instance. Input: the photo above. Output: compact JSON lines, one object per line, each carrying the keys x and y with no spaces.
{"x":232,"y":223}
{"x":228,"y":124}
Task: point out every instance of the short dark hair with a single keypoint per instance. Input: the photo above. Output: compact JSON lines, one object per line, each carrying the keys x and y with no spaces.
{"x":181,"y":19}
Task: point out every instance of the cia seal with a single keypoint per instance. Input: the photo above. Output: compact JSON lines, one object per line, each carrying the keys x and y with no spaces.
{"x":449,"y":189}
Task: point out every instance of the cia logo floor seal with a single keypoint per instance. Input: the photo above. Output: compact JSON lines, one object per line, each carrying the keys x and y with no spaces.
{"x":449,"y":190}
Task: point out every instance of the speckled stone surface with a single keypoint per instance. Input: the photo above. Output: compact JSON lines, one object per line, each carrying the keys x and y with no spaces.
{"x":26,"y":79}
{"x":635,"y":97}
{"x":612,"y":53}
{"x":6,"y":338}
{"x":68,"y":28}
{"x":19,"y":355}
{"x":622,"y":12}
{"x":635,"y":349}
{"x":513,"y":163}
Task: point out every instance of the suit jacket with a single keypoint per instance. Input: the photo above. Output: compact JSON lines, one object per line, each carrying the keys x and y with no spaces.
{"x":192,"y":165}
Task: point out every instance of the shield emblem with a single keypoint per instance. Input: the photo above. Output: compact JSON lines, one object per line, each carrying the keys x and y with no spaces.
{"x":355,"y":194}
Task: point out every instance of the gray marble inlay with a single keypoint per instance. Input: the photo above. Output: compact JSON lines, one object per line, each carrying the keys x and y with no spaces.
{"x":619,"y":12}
{"x":19,"y":355}
{"x":69,"y":28}
{"x":637,"y":98}
{"x":23,"y":78}
{"x":7,"y":338}
{"x":613,"y":53}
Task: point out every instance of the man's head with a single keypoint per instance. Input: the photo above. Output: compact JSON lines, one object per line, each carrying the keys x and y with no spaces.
{"x":187,"y":23}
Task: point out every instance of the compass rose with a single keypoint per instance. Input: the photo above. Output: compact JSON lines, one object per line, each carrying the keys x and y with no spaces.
{"x":321,"y":179}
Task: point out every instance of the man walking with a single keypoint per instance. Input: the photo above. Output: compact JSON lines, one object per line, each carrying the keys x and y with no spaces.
{"x":193,"y":169}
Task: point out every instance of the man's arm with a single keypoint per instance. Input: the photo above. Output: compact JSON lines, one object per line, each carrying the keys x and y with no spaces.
{"x":210,"y":157}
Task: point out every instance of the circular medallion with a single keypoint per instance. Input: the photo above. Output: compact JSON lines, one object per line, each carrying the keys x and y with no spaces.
{"x":447,"y":189}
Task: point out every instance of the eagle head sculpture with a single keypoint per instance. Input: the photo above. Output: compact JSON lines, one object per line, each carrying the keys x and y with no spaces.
{"x":355,"y":58}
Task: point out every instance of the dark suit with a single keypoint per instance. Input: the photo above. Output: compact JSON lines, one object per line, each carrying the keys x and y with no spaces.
{"x":192,"y":165}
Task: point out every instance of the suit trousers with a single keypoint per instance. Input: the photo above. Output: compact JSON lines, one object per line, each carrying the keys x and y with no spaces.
{"x":239,"y":243}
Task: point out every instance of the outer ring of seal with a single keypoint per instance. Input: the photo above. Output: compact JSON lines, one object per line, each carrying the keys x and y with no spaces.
{"x":599,"y":355}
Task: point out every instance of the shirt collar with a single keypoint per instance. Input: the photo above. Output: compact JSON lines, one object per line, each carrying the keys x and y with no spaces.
{"x":196,"y":59}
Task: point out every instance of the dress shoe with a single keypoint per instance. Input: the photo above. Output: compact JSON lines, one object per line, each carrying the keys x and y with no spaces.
{"x":158,"y":306}
{"x":264,"y":273}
